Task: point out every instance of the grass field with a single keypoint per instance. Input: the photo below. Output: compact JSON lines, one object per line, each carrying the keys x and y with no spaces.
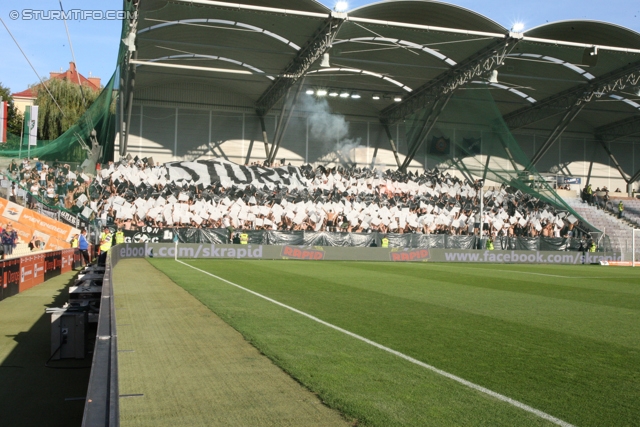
{"x":564,"y":340}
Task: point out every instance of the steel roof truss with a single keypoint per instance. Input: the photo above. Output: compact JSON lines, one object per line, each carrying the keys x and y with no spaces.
{"x":480,"y":63}
{"x":319,"y":44}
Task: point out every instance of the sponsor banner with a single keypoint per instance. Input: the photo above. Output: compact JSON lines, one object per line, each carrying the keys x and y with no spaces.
{"x":28,"y":224}
{"x":293,"y":252}
{"x":52,"y":264}
{"x":11,"y":277}
{"x":409,"y":255}
{"x":67,"y":257}
{"x":330,"y":253}
{"x":26,"y":272}
{"x":521,"y":257}
{"x":38,"y":269}
{"x":148,"y":234}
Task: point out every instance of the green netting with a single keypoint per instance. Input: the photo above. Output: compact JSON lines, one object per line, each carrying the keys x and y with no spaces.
{"x":72,"y":145}
{"x":472,"y":137}
{"x":99,"y":116}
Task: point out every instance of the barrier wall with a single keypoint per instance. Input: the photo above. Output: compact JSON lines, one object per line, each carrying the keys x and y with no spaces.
{"x":220,"y":236}
{"x":28,"y":223}
{"x":320,"y":253}
{"x":19,"y":274}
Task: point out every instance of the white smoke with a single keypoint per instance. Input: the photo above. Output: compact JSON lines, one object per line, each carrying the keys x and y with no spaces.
{"x":331,"y":129}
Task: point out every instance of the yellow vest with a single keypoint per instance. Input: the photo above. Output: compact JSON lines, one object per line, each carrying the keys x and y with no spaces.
{"x":489,"y":245}
{"x":105,"y":242}
{"x":620,"y":207}
{"x":244,"y":238}
{"x":74,"y":243}
{"x":119,"y":237}
{"x":385,"y":242}
{"x":592,"y":248}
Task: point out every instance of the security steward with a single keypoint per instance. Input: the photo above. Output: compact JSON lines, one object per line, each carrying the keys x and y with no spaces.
{"x":119,"y":237}
{"x":244,"y":238}
{"x":105,"y":244}
{"x":592,"y":246}
{"x":74,"y":241}
{"x":384,"y":242}
{"x":589,"y":192}
{"x":489,"y":244}
{"x":620,"y":209}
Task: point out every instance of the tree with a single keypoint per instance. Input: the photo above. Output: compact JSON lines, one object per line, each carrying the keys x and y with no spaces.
{"x":51,"y":121}
{"x":14,"y":116}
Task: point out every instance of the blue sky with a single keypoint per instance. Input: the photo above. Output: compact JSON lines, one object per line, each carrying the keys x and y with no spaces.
{"x":96,"y":42}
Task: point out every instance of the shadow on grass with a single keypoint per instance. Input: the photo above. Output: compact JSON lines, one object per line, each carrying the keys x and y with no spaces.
{"x":34,"y":395}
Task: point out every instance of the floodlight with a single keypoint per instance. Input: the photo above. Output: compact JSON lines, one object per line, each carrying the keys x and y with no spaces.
{"x":341,"y":6}
{"x":334,"y":93}
{"x":518,"y":27}
{"x":355,"y":95}
{"x":376,"y":96}
{"x":321,"y":92}
{"x":397,"y":98}
{"x":345,"y":94}
{"x":310,"y":92}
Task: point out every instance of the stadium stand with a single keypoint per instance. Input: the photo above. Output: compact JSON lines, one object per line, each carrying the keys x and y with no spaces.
{"x":619,"y":233}
{"x":219,"y":194}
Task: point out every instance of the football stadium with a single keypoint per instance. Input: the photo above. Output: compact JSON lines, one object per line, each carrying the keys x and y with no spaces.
{"x":400,"y":214}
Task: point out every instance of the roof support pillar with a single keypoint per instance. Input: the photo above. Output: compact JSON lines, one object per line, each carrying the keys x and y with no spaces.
{"x":635,"y":177}
{"x":593,"y":158}
{"x":281,"y":129}
{"x":514,"y":164}
{"x":486,"y":167}
{"x":431,"y":120}
{"x":132,"y":83}
{"x":555,"y":134}
{"x":265,"y":137}
{"x":218,"y":145}
{"x":248,"y":158}
{"x":121,"y":97}
{"x":614,"y":160}
{"x":375,"y":153}
{"x":463,"y":169}
{"x":393,"y":145}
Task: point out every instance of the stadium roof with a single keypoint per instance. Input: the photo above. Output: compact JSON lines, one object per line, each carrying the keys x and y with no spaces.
{"x":247,"y":56}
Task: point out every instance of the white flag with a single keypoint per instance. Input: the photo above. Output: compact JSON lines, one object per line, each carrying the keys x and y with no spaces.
{"x":3,"y":121}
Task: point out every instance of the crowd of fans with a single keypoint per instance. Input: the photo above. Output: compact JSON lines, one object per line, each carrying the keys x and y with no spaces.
{"x":55,"y":185}
{"x":132,"y":194}
{"x":135,"y":194}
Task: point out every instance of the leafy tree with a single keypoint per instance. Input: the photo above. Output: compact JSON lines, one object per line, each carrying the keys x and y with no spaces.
{"x":14,"y":116}
{"x":51,"y":121}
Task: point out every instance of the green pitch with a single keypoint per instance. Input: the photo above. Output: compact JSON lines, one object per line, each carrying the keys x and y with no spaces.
{"x":564,"y":340}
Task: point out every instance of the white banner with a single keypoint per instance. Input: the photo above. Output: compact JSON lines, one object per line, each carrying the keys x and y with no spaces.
{"x":33,"y":125}
{"x":3,"y":121}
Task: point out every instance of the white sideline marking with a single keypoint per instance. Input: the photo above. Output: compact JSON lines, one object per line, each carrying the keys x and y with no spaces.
{"x":462,"y":381}
{"x":523,"y":272}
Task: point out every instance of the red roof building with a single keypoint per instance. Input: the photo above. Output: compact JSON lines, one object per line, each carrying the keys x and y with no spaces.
{"x":28,"y":97}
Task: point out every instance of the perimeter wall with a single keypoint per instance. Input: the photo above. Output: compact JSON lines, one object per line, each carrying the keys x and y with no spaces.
{"x":321,"y":253}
